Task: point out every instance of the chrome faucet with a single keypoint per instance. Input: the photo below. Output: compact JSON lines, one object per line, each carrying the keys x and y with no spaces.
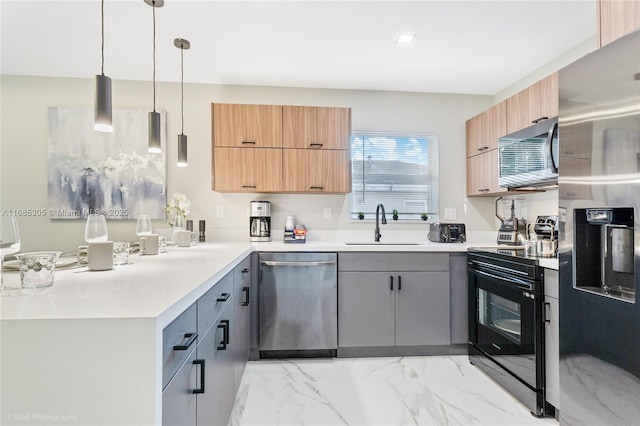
{"x":384,"y":221}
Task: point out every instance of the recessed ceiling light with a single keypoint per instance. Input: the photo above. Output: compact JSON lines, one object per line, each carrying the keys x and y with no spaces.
{"x":405,"y":39}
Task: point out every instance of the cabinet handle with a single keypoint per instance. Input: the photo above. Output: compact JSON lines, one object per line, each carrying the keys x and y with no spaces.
{"x":320,"y":188}
{"x":224,"y":325}
{"x":484,"y":190}
{"x":316,"y":145}
{"x":201,"y":363}
{"x":399,"y":283}
{"x":483,"y":148}
{"x":245,"y":271}
{"x":192,"y":338}
{"x":223,"y":297}
{"x":249,"y":186}
{"x":546,"y":311}
{"x":391,"y":283}
{"x":246,"y":296}
{"x":248,"y":142}
{"x":537,"y":120}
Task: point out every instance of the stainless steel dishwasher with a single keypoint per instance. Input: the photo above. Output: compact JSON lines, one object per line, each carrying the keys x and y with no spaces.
{"x":298,"y":304}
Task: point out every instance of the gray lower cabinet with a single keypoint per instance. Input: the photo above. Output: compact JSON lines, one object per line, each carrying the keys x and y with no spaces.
{"x":405,"y":306}
{"x":203,"y":390}
{"x":552,"y":338}
{"x":178,"y":400}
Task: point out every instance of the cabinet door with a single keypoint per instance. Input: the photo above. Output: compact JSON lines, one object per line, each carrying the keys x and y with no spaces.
{"x":316,"y":127}
{"x":482,"y":174}
{"x":207,"y":410}
{"x":422,"y":309}
{"x":365,"y":309}
{"x":617,"y":18}
{"x":518,"y":111}
{"x":241,"y":320}
{"x":253,"y":126}
{"x":552,"y":352}
{"x":484,"y":129}
{"x":178,"y":400}
{"x":315,"y":170}
{"x":247,"y":169}
{"x":543,"y":99}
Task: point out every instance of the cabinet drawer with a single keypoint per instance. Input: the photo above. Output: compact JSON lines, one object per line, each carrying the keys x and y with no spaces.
{"x":213,"y":302}
{"x":393,"y":261}
{"x":178,"y":340}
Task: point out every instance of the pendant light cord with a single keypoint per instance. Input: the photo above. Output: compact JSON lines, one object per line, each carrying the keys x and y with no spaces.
{"x":102,"y":21}
{"x":153,"y":6}
{"x":182,"y":90}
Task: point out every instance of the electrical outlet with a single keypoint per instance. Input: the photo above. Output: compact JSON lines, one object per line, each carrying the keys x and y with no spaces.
{"x":220,"y":211}
{"x":328,"y":213}
{"x":450,"y":213}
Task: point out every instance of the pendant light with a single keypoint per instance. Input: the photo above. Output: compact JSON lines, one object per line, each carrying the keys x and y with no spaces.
{"x":182,"y":44}
{"x":103,"y":118}
{"x":154,"y":118}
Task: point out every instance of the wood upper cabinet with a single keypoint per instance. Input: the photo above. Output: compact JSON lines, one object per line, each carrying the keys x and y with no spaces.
{"x":252,"y":126}
{"x":482,"y":174}
{"x":247,"y":170}
{"x":533,"y":104}
{"x":617,"y":18}
{"x":316,"y":170}
{"x":484,"y":129}
{"x":316,"y":127}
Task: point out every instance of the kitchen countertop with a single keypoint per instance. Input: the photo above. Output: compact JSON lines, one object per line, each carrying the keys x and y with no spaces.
{"x":162,"y":286}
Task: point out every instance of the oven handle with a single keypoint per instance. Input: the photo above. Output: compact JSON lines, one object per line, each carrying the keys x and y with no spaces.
{"x":520,"y":283}
{"x":509,"y":271}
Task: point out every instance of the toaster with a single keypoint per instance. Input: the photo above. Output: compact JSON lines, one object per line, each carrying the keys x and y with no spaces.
{"x":447,"y":233}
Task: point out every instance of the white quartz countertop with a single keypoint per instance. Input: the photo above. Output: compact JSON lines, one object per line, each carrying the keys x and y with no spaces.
{"x":162,"y":286}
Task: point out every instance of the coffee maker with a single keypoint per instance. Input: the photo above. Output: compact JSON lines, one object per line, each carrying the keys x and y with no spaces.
{"x":260,"y":221}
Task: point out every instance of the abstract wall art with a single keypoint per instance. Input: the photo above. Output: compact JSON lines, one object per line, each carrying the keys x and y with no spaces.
{"x":106,"y":173}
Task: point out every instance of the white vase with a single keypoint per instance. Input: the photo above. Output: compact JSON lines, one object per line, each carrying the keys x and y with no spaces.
{"x":179,"y":223}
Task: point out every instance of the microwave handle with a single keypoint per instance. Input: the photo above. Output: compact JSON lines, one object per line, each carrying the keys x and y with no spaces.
{"x":552,"y":131}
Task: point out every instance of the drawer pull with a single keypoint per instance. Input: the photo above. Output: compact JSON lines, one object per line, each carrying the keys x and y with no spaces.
{"x":223,"y":297}
{"x":318,"y":188}
{"x":537,"y":120}
{"x":201,"y":363}
{"x":249,"y":186}
{"x":224,"y":325}
{"x":248,"y":142}
{"x":399,"y":283}
{"x":246,"y":296}
{"x":192,"y":338}
{"x":391,"y":283}
{"x":316,"y":145}
{"x":245,"y":271}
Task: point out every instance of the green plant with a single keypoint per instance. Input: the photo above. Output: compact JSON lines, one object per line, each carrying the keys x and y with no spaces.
{"x":395,"y":214}
{"x":424,"y":216}
{"x":360,"y":215}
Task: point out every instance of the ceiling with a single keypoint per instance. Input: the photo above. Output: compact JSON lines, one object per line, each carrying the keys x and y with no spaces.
{"x":474,"y":47}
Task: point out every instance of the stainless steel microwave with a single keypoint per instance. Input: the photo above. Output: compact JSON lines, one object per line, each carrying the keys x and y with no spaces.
{"x":529,"y":157}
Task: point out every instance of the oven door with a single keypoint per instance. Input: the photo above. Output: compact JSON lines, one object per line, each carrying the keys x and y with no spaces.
{"x":504,"y":326}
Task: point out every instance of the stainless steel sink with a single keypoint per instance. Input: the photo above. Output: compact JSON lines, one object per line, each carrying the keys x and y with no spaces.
{"x":383,"y":243}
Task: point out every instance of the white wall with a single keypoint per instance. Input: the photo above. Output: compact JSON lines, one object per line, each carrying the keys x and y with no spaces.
{"x":23,"y":153}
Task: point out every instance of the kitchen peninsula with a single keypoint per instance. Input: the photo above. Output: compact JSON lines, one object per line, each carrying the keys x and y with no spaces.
{"x":89,"y":349}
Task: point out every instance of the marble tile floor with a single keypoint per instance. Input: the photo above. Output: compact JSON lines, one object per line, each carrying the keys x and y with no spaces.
{"x":434,"y":390}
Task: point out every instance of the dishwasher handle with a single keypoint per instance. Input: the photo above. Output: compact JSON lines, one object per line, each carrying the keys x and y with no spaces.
{"x":285,"y":263}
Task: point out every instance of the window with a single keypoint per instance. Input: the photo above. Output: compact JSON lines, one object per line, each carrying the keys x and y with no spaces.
{"x":398,"y":170}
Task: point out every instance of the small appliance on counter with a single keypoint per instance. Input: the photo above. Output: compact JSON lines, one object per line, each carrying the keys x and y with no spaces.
{"x":513,"y":230}
{"x":260,"y":221}
{"x":546,"y":242}
{"x":447,"y":233}
{"x":294,"y":233}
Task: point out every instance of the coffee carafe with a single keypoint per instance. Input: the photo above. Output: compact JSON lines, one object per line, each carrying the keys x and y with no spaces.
{"x":260,"y":221}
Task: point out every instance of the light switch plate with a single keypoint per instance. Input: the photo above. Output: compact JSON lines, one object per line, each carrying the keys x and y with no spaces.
{"x":328,"y":213}
{"x":450,"y":213}
{"x":220,"y":211}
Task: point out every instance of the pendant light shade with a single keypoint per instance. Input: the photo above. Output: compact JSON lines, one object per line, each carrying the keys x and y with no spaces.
{"x":103,"y":120}
{"x":183,"y":45}
{"x":154,"y":133}
{"x":182,"y":150}
{"x":155,"y":146}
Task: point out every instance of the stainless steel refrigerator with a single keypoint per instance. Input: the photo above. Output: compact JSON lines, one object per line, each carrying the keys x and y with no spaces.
{"x":599,"y":247}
